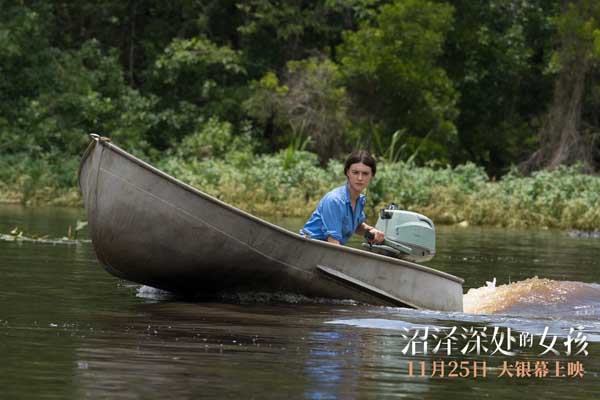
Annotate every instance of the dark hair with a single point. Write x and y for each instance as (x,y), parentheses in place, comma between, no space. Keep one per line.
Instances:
(360,156)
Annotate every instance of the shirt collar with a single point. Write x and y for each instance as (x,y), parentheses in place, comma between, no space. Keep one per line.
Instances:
(361,197)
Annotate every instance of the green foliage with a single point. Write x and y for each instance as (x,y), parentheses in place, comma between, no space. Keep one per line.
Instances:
(201,77)
(361,10)
(197,70)
(147,74)
(561,198)
(564,198)
(495,56)
(215,139)
(391,66)
(196,56)
(256,101)
(298,143)
(272,185)
(291,184)
(48,179)
(62,96)
(273,32)
(579,36)
(310,102)
(394,150)
(278,184)
(82,96)
(579,28)
(596,48)
(411,186)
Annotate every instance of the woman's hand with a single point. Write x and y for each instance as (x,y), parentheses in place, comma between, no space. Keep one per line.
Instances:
(379,236)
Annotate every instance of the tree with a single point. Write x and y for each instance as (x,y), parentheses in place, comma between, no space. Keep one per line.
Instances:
(53,94)
(565,138)
(391,66)
(273,32)
(311,102)
(495,55)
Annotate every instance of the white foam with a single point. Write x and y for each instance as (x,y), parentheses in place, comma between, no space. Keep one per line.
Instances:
(152,293)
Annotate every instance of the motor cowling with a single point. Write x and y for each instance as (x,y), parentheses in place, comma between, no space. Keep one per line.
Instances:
(408,235)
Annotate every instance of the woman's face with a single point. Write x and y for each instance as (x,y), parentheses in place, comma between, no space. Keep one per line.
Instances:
(359,175)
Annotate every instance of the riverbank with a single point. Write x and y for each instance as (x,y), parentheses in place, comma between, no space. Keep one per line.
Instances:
(291,185)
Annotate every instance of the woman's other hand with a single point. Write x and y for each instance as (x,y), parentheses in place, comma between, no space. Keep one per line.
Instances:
(379,236)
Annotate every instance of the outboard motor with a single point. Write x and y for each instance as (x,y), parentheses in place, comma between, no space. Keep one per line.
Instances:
(408,235)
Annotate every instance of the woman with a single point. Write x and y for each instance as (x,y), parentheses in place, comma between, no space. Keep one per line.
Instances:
(340,213)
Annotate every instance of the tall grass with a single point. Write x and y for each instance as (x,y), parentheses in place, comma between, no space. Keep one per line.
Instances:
(564,198)
(49,179)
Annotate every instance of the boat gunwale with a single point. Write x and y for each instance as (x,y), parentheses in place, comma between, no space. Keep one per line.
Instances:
(402,263)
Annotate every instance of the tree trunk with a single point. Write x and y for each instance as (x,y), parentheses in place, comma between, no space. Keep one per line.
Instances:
(562,141)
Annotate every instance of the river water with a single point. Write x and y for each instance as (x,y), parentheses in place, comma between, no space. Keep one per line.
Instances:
(69,330)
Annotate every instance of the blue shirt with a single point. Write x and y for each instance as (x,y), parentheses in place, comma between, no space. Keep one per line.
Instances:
(334,216)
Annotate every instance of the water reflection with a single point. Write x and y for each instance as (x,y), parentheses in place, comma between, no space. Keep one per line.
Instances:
(181,347)
(234,349)
(330,373)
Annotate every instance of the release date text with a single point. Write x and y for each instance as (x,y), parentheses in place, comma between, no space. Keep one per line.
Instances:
(515,369)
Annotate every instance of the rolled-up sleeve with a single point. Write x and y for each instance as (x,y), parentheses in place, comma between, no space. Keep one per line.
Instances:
(361,219)
(331,217)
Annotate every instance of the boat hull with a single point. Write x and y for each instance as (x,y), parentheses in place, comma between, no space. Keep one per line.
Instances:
(150,228)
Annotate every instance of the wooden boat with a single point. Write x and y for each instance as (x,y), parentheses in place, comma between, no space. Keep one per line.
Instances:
(151,228)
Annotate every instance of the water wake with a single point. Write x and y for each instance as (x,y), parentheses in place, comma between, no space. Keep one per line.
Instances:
(152,293)
(279,297)
(535,296)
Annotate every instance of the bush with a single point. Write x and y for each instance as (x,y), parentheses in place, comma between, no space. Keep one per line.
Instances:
(291,182)
(50,179)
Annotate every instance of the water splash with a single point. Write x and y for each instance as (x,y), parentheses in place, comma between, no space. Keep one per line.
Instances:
(152,293)
(535,296)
